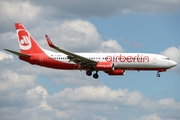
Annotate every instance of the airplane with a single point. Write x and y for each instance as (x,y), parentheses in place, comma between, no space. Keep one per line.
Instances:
(110,63)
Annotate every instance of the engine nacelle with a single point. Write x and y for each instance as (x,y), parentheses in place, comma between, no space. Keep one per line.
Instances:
(116,72)
(105,66)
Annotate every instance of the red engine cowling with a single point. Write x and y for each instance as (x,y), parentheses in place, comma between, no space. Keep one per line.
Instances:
(116,72)
(109,66)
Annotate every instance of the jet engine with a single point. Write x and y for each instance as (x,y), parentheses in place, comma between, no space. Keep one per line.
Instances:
(115,72)
(105,66)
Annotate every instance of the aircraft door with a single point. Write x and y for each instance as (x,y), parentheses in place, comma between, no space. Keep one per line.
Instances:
(154,59)
(41,59)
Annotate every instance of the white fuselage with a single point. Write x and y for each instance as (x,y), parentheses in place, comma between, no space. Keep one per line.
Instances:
(128,61)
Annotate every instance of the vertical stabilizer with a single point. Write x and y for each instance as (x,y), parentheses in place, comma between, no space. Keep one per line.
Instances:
(27,43)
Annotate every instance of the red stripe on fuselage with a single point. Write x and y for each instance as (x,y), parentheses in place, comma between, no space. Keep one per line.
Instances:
(43,60)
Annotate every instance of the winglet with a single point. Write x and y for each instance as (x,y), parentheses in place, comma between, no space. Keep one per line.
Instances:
(49,42)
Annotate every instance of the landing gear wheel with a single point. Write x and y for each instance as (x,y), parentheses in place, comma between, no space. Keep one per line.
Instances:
(88,73)
(95,75)
(158,75)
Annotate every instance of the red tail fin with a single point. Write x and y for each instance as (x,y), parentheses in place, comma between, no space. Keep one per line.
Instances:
(26,41)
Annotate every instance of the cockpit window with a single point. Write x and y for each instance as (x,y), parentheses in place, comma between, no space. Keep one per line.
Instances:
(166,58)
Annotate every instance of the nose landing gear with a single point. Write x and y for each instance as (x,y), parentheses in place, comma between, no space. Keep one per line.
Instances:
(160,70)
(158,75)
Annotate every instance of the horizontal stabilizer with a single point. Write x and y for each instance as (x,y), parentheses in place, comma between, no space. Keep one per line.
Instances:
(17,53)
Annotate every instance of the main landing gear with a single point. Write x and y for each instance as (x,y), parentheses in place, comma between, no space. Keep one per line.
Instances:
(95,75)
(88,73)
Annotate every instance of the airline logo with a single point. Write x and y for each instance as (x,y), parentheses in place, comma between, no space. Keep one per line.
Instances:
(122,58)
(24,39)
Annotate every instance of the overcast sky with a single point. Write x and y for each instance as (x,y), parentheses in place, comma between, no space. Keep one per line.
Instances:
(33,92)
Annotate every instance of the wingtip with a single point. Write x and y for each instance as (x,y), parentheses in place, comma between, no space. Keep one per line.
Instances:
(49,41)
(5,49)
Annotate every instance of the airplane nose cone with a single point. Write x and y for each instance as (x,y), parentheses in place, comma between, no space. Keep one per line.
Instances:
(173,64)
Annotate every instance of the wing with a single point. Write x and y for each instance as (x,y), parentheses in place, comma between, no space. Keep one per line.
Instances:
(84,62)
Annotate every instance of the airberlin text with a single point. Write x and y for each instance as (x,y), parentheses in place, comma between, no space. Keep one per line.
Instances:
(129,58)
